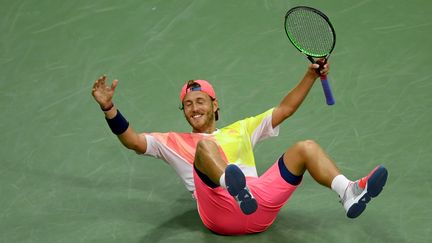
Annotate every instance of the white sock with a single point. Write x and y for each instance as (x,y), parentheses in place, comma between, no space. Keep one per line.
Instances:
(340,184)
(222,181)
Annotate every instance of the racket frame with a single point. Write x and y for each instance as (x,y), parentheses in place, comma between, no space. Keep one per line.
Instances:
(310,56)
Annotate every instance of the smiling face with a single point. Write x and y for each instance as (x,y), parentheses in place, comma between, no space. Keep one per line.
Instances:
(199,110)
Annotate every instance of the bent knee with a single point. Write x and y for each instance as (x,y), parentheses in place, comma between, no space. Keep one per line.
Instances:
(205,144)
(204,147)
(307,143)
(306,146)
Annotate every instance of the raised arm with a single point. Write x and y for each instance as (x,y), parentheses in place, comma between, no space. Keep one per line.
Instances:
(103,95)
(291,102)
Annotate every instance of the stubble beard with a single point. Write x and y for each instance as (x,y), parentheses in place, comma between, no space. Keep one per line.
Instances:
(209,119)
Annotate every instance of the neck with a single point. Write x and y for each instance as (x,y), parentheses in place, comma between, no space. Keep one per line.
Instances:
(207,130)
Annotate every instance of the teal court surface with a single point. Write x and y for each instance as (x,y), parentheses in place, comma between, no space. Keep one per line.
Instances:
(64,177)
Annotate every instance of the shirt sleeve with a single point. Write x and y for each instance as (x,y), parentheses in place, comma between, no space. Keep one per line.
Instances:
(163,146)
(260,127)
(152,146)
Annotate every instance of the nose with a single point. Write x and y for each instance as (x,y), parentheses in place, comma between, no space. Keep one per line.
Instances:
(195,107)
(191,108)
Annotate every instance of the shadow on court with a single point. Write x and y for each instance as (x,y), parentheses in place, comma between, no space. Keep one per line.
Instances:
(173,228)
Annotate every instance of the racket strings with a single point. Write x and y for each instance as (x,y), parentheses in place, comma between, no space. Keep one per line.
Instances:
(310,32)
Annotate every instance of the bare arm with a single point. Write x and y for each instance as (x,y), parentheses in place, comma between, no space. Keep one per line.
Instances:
(291,102)
(103,94)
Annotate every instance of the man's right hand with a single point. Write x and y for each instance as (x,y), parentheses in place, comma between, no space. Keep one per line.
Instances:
(103,93)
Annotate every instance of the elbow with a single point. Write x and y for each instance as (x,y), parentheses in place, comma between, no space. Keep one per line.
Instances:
(138,148)
(280,114)
(133,141)
(130,145)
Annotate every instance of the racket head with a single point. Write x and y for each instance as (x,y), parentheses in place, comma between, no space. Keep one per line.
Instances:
(310,31)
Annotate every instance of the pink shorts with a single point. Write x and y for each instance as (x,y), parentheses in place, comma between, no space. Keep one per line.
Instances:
(221,214)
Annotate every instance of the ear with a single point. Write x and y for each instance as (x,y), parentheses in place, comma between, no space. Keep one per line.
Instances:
(215,105)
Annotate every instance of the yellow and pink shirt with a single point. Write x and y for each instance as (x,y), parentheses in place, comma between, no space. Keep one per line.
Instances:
(236,142)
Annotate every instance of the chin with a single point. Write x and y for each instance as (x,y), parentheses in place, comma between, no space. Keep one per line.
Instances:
(198,128)
(195,127)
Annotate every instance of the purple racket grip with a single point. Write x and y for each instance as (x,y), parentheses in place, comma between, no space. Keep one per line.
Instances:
(327,90)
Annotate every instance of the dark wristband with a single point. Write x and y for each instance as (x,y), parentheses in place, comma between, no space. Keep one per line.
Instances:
(118,124)
(109,107)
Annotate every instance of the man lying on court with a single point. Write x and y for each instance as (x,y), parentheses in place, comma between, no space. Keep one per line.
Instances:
(217,164)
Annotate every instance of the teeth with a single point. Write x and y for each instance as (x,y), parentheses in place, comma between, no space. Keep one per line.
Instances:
(196,116)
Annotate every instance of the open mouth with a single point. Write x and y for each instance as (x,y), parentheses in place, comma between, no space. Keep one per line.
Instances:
(197,116)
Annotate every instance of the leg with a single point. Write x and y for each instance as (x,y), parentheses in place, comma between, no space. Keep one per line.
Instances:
(209,161)
(308,155)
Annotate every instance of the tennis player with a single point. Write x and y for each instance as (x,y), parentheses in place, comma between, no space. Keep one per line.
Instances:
(217,165)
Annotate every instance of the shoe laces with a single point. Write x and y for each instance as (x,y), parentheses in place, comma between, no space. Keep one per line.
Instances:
(353,189)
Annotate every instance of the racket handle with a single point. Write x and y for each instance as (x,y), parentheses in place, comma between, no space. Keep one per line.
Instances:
(327,90)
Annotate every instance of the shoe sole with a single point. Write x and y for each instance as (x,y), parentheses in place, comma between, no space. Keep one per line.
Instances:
(236,186)
(374,186)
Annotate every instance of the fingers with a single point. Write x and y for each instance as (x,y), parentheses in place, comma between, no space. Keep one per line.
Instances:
(100,85)
(98,81)
(102,79)
(318,68)
(95,86)
(314,66)
(114,85)
(325,69)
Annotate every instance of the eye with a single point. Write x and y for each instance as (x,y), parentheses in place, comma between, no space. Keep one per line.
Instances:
(187,104)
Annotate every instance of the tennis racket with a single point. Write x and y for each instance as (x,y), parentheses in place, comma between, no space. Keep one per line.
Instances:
(311,32)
